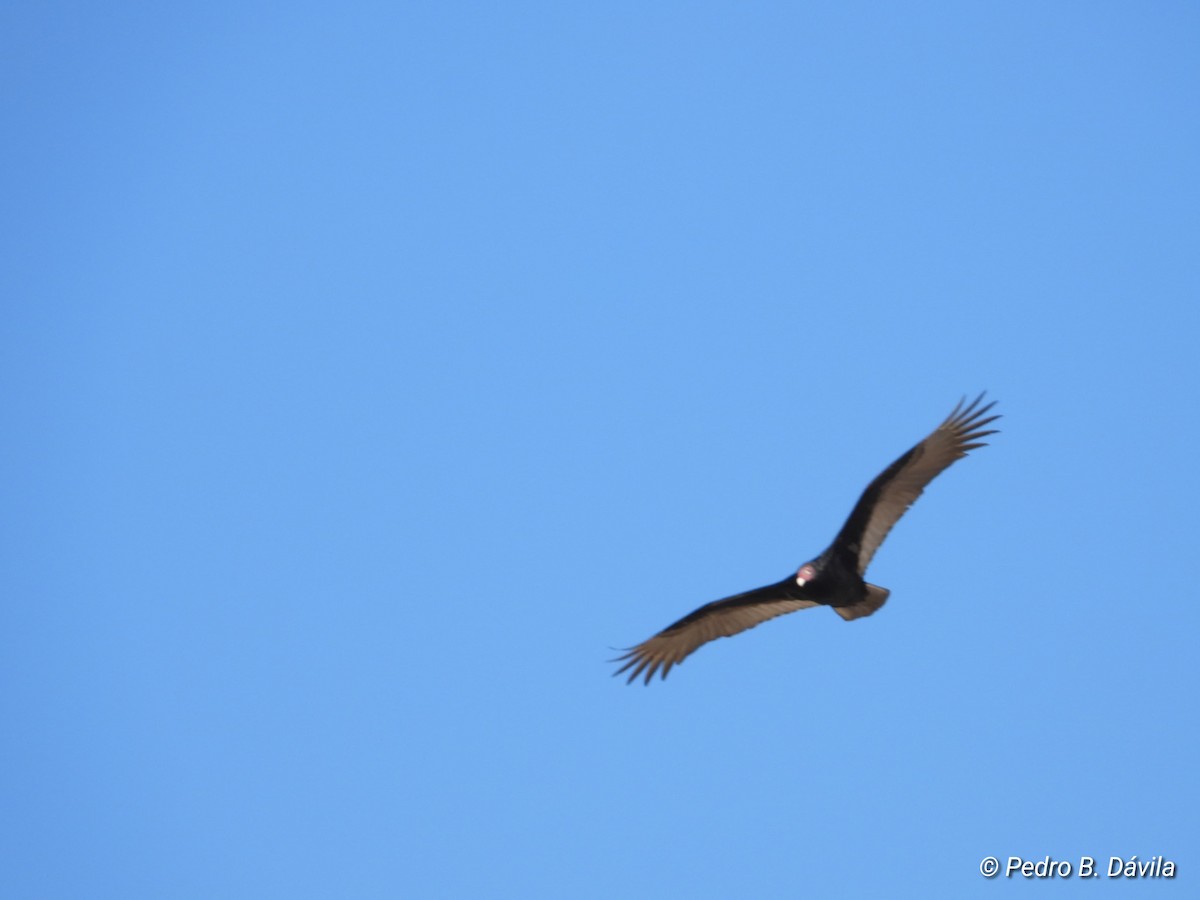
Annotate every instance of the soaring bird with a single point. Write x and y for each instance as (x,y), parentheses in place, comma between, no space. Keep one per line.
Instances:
(835,578)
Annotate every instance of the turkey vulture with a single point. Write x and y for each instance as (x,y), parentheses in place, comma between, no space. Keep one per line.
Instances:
(835,578)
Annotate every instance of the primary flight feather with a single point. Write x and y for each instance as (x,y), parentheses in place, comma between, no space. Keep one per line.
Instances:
(835,578)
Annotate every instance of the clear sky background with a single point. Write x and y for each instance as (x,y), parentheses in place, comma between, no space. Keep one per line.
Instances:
(371,369)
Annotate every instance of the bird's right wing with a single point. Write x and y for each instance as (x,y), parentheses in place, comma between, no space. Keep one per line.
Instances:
(721,618)
(890,495)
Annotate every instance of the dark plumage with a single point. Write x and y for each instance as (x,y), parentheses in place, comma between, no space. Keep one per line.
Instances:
(835,578)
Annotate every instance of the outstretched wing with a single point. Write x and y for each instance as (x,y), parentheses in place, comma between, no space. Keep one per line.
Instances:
(721,618)
(890,495)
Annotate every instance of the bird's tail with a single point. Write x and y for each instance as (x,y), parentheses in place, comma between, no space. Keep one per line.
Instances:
(876,597)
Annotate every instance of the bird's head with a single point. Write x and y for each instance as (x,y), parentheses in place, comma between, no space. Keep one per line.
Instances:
(807,573)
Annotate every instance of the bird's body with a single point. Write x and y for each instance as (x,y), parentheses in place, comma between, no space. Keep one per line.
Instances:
(835,578)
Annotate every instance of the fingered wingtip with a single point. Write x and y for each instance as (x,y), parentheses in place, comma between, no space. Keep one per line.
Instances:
(644,665)
(968,419)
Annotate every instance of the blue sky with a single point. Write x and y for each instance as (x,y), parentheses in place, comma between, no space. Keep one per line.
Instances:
(371,370)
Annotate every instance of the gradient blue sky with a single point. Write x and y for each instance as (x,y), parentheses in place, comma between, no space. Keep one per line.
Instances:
(371,369)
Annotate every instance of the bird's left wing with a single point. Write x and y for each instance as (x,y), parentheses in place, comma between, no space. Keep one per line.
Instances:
(721,618)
